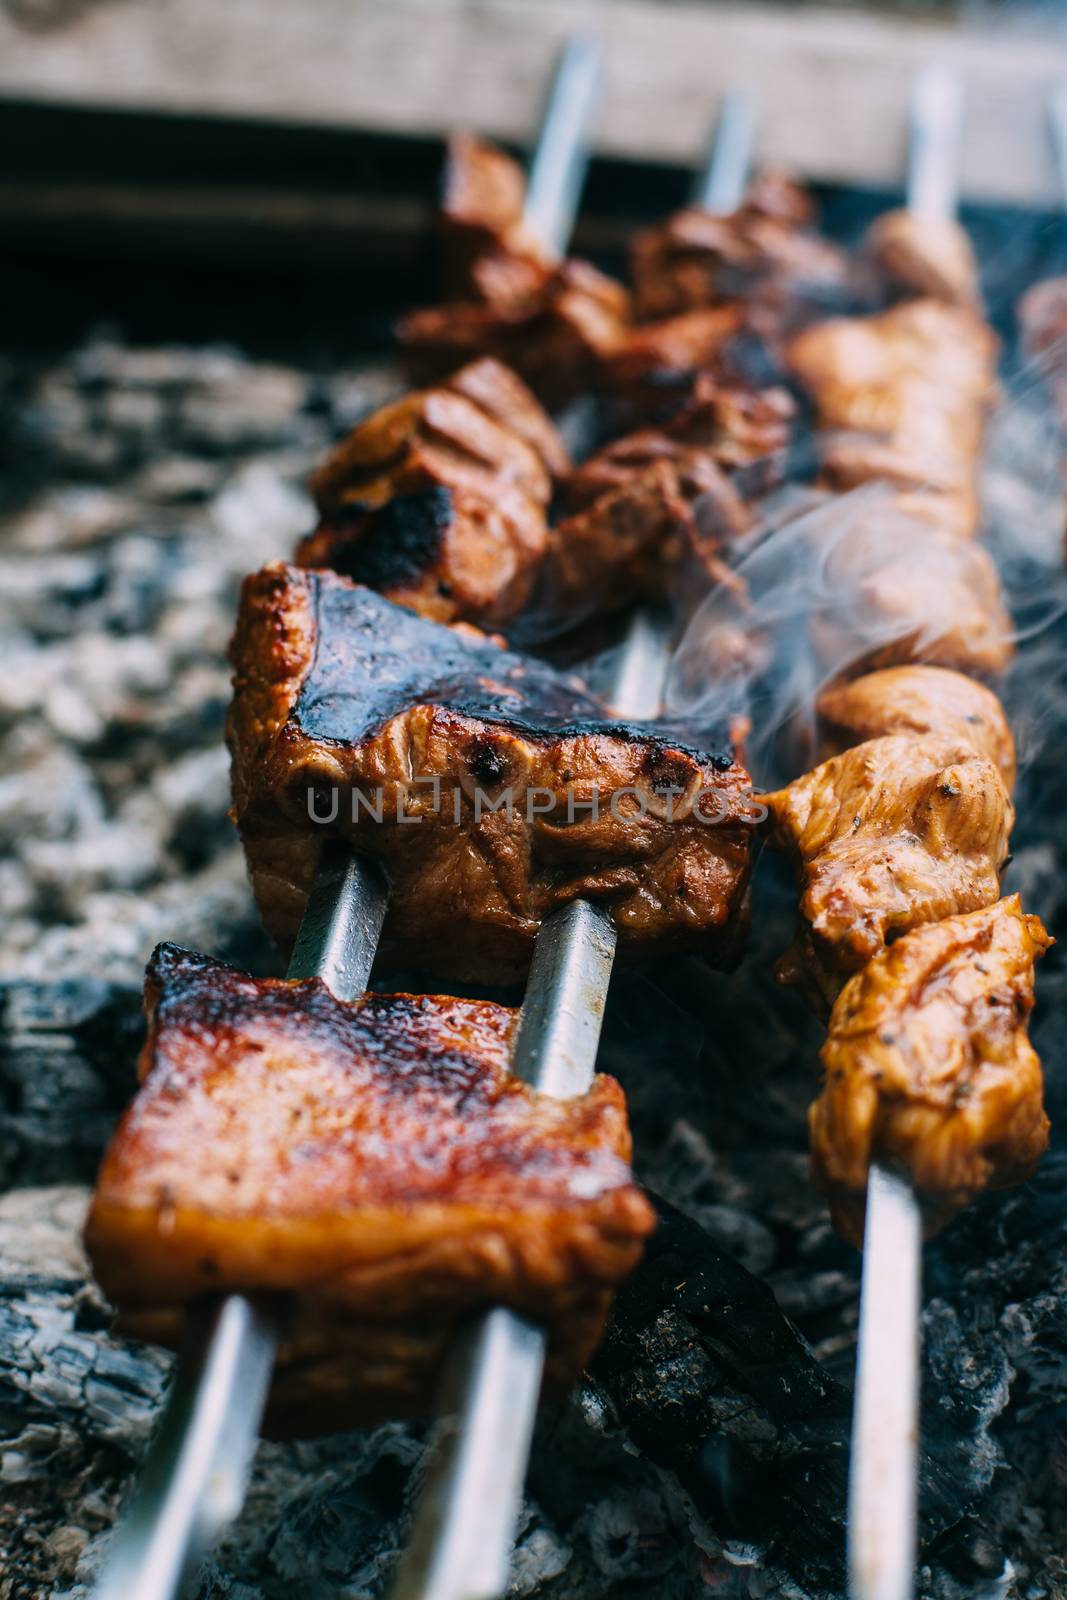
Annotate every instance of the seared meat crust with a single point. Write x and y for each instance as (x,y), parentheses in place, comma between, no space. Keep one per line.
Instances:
(439,500)
(342,697)
(767,249)
(917,700)
(929,1067)
(373,1168)
(903,397)
(930,257)
(663,531)
(733,427)
(894,833)
(487,252)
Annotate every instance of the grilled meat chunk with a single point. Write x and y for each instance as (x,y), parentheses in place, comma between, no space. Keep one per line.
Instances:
(766,249)
(929,1067)
(921,701)
(734,427)
(930,257)
(896,591)
(487,253)
(556,333)
(373,1169)
(403,737)
(893,833)
(902,397)
(439,500)
(663,531)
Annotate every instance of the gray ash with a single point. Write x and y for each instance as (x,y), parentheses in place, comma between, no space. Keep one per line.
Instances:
(707,1451)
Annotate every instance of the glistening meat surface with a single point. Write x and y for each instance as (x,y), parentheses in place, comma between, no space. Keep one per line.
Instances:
(929,1068)
(341,699)
(371,1168)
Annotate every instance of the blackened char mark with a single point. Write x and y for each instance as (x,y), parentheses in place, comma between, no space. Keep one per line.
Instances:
(394,544)
(374,660)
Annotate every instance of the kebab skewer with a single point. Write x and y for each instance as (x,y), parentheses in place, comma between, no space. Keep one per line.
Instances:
(931,1086)
(194,1479)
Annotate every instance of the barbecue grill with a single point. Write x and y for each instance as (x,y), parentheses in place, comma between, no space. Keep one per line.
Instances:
(194,1481)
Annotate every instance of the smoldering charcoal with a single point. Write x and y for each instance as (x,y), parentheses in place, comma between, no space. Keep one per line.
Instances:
(706,1452)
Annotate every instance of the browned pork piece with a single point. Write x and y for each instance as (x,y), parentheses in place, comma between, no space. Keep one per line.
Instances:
(372,1169)
(893,833)
(768,249)
(902,398)
(928,1067)
(487,253)
(439,499)
(490,786)
(921,701)
(1043,320)
(931,257)
(732,426)
(663,531)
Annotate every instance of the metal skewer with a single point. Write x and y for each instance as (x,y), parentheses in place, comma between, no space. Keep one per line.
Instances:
(1057,116)
(195,1476)
(465,1526)
(883,1478)
(720,187)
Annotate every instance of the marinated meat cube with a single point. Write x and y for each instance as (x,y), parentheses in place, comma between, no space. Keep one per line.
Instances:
(931,257)
(893,833)
(917,700)
(491,787)
(372,1169)
(929,1068)
(902,397)
(766,249)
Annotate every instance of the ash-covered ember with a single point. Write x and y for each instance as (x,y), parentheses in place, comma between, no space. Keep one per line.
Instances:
(707,1453)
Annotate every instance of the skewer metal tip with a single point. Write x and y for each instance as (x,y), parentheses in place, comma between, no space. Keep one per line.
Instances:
(1057,116)
(561,156)
(720,186)
(936,124)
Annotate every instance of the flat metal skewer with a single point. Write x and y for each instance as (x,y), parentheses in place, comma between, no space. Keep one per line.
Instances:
(720,187)
(883,1476)
(1057,116)
(464,1527)
(195,1476)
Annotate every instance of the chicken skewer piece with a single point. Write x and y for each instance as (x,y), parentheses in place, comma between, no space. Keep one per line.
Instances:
(464,1528)
(885,1428)
(195,1477)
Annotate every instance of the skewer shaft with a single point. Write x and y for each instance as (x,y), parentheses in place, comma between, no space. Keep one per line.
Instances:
(561,155)
(883,1480)
(464,1531)
(194,1478)
(721,186)
(1057,116)
(465,1524)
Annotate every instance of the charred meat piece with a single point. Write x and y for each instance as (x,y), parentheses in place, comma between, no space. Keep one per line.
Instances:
(373,1169)
(894,833)
(929,1067)
(439,499)
(557,334)
(931,257)
(896,590)
(487,253)
(902,397)
(734,427)
(921,701)
(663,531)
(490,786)
(766,250)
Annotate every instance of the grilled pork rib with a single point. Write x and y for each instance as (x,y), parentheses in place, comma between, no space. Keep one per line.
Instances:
(929,1067)
(373,1169)
(354,718)
(895,832)
(439,500)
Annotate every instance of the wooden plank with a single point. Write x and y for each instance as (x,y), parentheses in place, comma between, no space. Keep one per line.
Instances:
(833,87)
